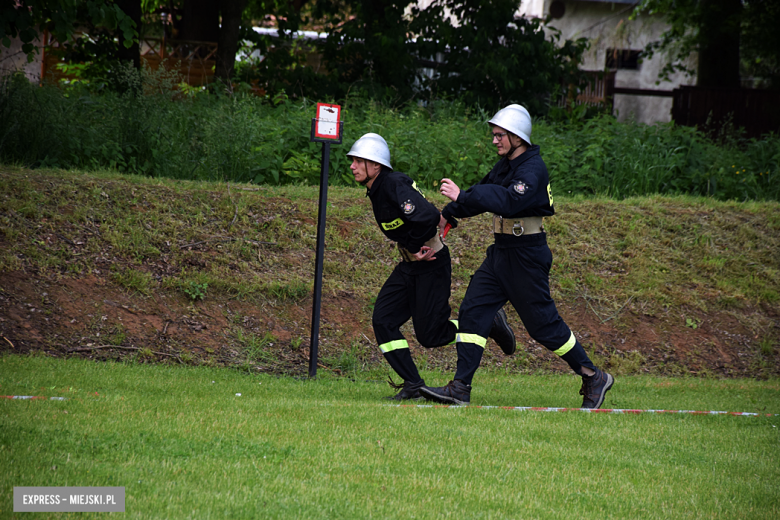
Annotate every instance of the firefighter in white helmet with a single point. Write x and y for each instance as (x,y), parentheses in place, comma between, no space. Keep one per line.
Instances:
(419,286)
(517,267)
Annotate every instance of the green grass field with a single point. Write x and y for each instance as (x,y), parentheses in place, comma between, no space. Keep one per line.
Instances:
(184,444)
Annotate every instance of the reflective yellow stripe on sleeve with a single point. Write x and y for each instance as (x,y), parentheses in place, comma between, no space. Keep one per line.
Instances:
(471,338)
(566,346)
(387,226)
(393,345)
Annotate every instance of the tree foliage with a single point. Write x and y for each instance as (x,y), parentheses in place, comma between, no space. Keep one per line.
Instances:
(734,38)
(491,58)
(64,20)
(760,41)
(377,47)
(372,47)
(486,56)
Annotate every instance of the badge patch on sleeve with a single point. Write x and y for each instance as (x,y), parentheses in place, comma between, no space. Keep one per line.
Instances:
(407,207)
(520,188)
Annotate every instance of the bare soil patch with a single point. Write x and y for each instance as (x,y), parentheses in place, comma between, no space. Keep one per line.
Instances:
(69,242)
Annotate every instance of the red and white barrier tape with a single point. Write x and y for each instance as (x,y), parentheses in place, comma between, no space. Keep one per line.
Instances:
(32,397)
(515,408)
(588,410)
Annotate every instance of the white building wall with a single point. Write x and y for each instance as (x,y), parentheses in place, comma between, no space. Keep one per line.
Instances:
(12,59)
(607,26)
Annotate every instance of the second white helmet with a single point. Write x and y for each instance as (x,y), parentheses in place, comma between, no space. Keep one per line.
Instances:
(515,119)
(371,147)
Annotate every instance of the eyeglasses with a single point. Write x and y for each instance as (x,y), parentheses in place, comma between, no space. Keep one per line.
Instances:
(499,135)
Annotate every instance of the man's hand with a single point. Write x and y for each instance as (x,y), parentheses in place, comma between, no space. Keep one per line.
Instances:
(425,253)
(449,189)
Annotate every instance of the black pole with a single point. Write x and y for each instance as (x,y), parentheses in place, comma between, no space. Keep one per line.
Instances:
(315,313)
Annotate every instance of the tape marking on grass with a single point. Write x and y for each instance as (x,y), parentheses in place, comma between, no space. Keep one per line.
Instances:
(587,410)
(32,397)
(515,408)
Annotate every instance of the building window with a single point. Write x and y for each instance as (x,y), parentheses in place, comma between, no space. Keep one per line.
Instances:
(557,9)
(623,59)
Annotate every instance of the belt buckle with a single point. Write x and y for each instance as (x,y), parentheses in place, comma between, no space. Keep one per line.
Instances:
(500,223)
(518,224)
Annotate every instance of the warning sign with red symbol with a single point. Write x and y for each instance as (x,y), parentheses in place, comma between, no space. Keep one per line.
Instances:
(327,121)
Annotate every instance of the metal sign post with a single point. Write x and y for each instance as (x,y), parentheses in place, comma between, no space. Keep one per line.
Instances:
(326,128)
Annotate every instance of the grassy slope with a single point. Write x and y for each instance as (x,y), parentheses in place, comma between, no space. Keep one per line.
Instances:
(662,284)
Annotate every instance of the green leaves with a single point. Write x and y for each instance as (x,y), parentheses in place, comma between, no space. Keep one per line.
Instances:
(490,58)
(62,18)
(195,291)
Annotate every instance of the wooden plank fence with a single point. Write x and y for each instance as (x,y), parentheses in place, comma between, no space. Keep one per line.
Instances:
(709,109)
(193,60)
(599,91)
(757,111)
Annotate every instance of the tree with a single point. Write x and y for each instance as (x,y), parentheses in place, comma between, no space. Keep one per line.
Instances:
(760,42)
(492,58)
(733,38)
(132,9)
(199,21)
(227,47)
(719,28)
(368,42)
(211,21)
(27,19)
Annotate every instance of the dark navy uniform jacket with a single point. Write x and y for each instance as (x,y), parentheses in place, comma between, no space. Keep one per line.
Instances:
(401,210)
(513,189)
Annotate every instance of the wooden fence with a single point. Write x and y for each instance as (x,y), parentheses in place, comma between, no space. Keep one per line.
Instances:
(194,61)
(709,109)
(757,111)
(599,91)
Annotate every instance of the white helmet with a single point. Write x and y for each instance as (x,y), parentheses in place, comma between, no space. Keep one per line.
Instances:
(515,119)
(371,147)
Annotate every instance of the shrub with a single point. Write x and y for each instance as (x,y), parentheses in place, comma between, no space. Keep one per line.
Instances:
(244,138)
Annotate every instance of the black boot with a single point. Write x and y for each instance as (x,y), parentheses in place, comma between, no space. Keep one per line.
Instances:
(594,389)
(408,390)
(503,334)
(456,392)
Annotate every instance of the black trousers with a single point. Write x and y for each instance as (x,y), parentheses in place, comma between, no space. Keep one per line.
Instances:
(517,270)
(420,291)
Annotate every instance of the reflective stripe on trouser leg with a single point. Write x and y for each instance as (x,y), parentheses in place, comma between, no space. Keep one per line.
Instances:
(469,357)
(470,348)
(471,338)
(484,297)
(529,293)
(394,345)
(423,297)
(566,346)
(577,358)
(454,322)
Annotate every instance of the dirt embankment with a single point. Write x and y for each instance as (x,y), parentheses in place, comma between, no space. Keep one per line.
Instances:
(67,285)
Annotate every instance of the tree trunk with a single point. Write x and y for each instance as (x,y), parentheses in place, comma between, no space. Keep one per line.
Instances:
(719,43)
(227,44)
(200,21)
(131,8)
(384,40)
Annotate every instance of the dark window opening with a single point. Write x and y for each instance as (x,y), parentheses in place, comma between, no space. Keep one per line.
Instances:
(557,9)
(623,59)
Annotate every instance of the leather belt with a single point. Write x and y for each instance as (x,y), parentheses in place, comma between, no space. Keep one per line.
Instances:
(518,226)
(434,243)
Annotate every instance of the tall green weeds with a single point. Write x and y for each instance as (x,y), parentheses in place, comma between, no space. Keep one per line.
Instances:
(243,138)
